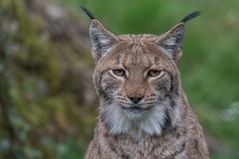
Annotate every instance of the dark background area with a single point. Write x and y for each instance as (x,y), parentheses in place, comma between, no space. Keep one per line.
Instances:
(48,106)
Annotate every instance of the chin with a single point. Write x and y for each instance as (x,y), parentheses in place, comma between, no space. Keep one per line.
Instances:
(135,121)
(136,113)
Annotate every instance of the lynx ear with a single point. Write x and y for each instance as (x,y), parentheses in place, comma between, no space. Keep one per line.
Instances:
(171,41)
(102,40)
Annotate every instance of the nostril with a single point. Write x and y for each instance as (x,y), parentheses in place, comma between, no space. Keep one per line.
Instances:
(135,99)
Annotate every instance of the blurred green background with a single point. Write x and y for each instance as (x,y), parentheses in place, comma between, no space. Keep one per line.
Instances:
(48,106)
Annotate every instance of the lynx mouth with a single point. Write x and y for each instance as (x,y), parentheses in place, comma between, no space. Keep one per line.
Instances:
(136,109)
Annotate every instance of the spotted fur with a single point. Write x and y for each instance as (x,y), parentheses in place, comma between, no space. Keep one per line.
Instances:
(144,113)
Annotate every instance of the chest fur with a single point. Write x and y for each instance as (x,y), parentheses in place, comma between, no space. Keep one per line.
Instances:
(125,147)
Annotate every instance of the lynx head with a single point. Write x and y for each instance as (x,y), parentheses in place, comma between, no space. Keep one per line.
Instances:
(137,78)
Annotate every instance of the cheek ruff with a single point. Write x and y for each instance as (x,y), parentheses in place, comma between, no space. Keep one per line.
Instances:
(137,121)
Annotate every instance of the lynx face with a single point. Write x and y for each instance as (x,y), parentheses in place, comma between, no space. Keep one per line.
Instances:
(137,79)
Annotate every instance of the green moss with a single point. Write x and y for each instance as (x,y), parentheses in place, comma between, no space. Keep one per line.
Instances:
(41,85)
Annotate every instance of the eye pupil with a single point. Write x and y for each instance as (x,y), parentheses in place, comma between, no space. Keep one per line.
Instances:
(119,72)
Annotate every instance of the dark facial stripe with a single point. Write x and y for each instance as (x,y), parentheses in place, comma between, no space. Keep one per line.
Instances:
(103,116)
(174,85)
(167,121)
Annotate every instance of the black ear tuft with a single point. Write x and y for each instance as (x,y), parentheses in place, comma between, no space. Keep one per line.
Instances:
(191,16)
(87,12)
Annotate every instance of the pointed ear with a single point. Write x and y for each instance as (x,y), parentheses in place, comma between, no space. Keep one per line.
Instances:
(102,40)
(172,41)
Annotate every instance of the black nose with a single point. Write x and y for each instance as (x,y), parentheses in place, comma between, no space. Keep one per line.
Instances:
(135,98)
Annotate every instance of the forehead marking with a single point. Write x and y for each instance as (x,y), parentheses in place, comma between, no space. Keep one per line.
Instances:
(138,50)
(137,57)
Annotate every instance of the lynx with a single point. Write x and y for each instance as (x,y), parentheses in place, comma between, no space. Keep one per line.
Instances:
(144,112)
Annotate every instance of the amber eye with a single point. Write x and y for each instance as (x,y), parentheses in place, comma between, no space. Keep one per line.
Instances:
(154,73)
(119,72)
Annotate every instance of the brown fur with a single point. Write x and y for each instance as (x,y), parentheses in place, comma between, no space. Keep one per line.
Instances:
(162,124)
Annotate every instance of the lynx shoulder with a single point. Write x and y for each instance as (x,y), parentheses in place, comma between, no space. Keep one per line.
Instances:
(144,112)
